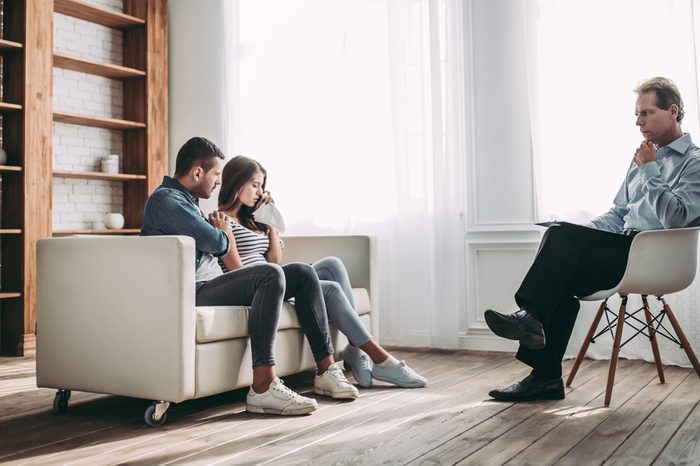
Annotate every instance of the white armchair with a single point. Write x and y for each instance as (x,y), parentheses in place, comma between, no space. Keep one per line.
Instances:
(117,315)
(660,262)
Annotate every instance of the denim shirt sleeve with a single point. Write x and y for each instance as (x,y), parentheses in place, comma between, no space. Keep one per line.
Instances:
(170,213)
(613,220)
(676,206)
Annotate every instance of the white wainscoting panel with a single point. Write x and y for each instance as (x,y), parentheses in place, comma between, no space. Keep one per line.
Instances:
(496,269)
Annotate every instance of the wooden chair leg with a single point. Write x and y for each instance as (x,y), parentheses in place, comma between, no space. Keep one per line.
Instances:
(615,350)
(586,343)
(681,336)
(652,339)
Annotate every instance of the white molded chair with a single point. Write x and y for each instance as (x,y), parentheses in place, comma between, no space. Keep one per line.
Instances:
(660,262)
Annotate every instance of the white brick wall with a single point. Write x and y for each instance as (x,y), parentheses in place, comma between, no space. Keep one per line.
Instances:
(81,203)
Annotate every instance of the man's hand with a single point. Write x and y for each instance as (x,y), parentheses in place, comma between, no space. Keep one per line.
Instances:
(219,220)
(645,153)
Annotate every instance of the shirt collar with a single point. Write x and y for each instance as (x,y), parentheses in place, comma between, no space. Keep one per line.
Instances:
(170,182)
(679,145)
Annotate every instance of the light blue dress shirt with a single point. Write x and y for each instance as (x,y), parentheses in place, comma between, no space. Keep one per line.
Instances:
(657,195)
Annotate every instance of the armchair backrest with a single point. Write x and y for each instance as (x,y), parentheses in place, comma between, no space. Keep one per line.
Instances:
(353,250)
(661,262)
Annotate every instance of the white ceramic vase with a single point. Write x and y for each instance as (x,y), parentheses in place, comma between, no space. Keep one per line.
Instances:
(114,221)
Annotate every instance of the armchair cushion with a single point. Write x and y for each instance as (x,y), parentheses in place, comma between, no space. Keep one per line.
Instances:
(216,323)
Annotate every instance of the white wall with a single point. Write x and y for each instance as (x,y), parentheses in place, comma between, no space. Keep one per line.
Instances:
(501,240)
(198,106)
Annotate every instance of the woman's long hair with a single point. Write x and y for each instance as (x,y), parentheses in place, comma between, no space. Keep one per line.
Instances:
(237,172)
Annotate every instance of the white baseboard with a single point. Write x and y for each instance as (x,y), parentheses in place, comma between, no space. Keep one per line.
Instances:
(485,340)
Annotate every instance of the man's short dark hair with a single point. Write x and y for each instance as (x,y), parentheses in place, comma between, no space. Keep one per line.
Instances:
(197,150)
(666,92)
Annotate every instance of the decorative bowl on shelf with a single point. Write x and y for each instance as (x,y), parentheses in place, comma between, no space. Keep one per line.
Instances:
(3,156)
(114,221)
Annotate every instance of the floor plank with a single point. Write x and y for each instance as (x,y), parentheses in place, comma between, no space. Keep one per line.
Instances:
(652,436)
(602,442)
(503,436)
(263,431)
(450,421)
(684,447)
(418,429)
(579,420)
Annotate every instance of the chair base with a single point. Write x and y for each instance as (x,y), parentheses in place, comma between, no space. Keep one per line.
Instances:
(652,327)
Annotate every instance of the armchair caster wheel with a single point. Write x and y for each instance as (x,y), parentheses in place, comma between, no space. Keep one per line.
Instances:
(156,415)
(60,401)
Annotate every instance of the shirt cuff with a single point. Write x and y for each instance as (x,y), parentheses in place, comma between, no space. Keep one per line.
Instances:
(649,170)
(226,249)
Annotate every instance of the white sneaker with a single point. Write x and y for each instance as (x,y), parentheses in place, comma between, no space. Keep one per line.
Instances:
(334,384)
(279,399)
(400,375)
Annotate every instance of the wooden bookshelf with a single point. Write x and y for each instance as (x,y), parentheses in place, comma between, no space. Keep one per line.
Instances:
(121,231)
(92,67)
(97,122)
(97,14)
(98,175)
(26,184)
(28,118)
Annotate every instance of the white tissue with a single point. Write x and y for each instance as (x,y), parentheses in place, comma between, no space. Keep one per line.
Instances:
(269,215)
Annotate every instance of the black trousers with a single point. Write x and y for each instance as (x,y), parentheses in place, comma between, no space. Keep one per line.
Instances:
(572,261)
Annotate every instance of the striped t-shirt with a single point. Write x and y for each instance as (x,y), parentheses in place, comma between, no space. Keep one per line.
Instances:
(251,246)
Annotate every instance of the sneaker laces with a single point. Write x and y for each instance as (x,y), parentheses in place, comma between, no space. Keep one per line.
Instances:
(358,356)
(283,389)
(409,372)
(337,373)
(364,362)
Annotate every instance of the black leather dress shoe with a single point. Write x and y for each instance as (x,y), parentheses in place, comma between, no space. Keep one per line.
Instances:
(530,389)
(520,325)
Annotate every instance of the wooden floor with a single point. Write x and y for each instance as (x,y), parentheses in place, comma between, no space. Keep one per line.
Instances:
(452,421)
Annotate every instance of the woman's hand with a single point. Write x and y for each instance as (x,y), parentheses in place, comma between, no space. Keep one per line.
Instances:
(266,198)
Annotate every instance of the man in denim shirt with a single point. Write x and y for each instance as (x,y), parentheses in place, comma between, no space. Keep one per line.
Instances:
(173,209)
(661,190)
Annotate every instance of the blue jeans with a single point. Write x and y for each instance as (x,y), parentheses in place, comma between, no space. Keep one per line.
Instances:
(340,304)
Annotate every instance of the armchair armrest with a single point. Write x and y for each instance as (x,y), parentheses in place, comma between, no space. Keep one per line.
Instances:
(116,315)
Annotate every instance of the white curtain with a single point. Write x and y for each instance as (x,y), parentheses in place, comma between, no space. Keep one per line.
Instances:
(355,109)
(587,57)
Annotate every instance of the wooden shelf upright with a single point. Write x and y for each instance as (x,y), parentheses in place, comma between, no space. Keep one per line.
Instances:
(27,113)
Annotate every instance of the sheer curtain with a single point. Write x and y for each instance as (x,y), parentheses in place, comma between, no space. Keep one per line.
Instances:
(355,108)
(585,66)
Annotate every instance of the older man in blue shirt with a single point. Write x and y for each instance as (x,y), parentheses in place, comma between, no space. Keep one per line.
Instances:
(661,190)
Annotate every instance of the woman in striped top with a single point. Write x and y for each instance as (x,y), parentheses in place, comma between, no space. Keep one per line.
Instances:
(242,191)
